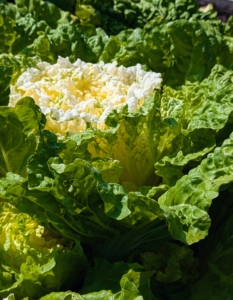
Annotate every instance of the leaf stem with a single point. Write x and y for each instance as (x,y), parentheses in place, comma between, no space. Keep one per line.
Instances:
(5,157)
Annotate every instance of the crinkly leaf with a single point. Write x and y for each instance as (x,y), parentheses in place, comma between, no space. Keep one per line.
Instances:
(73,184)
(19,127)
(11,66)
(115,200)
(182,50)
(193,43)
(132,208)
(114,16)
(172,263)
(40,205)
(7,27)
(64,196)
(110,169)
(9,180)
(186,204)
(200,110)
(40,176)
(211,100)
(153,192)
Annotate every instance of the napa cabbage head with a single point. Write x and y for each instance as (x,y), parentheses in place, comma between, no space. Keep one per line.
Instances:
(85,99)
(34,259)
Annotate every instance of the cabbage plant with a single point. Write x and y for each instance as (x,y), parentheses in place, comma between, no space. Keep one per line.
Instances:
(116,149)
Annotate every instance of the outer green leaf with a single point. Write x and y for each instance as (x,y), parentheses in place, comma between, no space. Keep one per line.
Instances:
(211,100)
(39,173)
(199,110)
(192,49)
(132,282)
(7,23)
(172,263)
(153,192)
(115,200)
(187,203)
(8,181)
(143,209)
(11,66)
(18,129)
(110,169)
(69,201)
(132,208)
(41,205)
